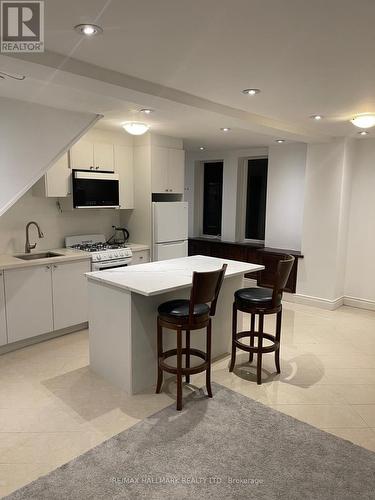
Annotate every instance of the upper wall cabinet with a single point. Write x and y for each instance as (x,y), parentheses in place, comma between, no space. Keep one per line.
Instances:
(57,181)
(124,168)
(87,155)
(167,170)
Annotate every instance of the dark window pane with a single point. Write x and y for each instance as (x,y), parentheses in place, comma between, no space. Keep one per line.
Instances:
(212,198)
(256,199)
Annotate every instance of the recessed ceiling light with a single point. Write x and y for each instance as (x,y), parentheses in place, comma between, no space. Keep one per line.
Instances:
(316,117)
(136,128)
(363,132)
(364,121)
(88,29)
(251,91)
(280,141)
(202,148)
(147,111)
(225,129)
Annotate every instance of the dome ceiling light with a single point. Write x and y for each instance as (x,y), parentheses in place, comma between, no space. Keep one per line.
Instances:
(136,128)
(364,121)
(251,91)
(88,29)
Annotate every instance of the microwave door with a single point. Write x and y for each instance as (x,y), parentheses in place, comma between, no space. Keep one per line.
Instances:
(95,190)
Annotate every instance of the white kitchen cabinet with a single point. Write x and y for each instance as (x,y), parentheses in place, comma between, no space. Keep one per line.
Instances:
(87,155)
(140,257)
(69,289)
(56,183)
(82,155)
(28,295)
(176,170)
(104,156)
(124,167)
(3,324)
(167,170)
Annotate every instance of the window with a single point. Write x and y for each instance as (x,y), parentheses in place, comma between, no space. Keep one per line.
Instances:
(212,198)
(256,198)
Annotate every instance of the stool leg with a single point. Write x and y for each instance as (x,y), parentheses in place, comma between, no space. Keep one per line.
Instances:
(208,353)
(179,370)
(260,347)
(252,329)
(188,354)
(278,335)
(234,331)
(160,352)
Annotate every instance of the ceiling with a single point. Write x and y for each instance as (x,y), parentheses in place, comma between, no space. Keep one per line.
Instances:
(306,57)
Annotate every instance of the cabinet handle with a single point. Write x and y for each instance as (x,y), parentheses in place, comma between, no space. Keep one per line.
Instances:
(48,267)
(140,258)
(166,189)
(97,168)
(55,266)
(91,168)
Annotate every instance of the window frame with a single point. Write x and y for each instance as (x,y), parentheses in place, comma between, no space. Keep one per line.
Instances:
(242,198)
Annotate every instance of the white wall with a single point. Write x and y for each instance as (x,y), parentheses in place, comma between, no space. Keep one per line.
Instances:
(32,138)
(55,225)
(326,211)
(285,195)
(360,266)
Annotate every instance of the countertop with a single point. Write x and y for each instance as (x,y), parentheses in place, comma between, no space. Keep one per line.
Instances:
(66,254)
(257,246)
(155,278)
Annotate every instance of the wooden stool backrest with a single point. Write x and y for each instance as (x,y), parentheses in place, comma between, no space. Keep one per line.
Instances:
(284,268)
(205,290)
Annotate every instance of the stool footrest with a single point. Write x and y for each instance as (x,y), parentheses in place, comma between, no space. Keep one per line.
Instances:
(248,334)
(185,371)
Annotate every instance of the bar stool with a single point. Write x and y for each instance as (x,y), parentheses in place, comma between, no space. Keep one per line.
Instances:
(186,315)
(261,301)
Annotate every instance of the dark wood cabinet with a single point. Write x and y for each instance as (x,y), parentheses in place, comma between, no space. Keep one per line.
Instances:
(248,252)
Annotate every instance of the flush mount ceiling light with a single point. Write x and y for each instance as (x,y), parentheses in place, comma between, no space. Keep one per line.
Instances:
(225,129)
(316,117)
(363,132)
(251,91)
(88,29)
(364,121)
(135,128)
(146,111)
(280,141)
(202,148)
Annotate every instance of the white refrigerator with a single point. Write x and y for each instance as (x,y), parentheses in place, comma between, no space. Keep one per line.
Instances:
(170,230)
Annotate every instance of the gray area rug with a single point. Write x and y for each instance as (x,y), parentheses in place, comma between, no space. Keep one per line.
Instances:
(228,447)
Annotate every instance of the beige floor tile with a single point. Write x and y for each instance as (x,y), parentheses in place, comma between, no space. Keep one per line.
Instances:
(355,394)
(323,416)
(367,412)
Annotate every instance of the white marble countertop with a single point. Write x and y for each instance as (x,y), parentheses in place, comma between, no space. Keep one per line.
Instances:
(65,255)
(164,276)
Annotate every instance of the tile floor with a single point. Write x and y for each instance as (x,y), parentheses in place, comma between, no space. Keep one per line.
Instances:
(52,408)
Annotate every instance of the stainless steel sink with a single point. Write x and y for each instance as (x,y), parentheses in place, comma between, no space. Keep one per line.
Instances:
(40,255)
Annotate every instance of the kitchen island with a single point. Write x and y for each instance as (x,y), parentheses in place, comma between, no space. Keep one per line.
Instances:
(123,306)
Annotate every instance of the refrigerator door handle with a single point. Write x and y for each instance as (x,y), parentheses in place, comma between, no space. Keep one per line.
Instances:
(170,242)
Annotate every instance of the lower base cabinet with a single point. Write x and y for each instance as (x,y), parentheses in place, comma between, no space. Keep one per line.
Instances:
(3,324)
(28,293)
(69,291)
(41,299)
(140,257)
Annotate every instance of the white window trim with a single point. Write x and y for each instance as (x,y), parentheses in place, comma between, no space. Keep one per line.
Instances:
(198,197)
(241,198)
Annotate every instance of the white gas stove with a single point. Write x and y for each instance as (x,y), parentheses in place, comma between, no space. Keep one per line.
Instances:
(103,254)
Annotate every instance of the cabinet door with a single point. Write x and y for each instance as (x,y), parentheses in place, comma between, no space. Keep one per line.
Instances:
(58,178)
(124,167)
(82,155)
(3,325)
(176,170)
(103,156)
(69,285)
(28,293)
(159,169)
(140,257)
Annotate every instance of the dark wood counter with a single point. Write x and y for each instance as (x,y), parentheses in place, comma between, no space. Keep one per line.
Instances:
(248,252)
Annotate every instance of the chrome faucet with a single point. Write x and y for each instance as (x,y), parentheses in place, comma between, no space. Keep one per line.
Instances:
(29,247)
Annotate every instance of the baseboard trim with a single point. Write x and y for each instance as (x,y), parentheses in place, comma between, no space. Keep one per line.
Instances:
(359,303)
(309,300)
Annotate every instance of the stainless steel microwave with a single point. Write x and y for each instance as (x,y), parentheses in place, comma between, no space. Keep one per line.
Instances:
(95,189)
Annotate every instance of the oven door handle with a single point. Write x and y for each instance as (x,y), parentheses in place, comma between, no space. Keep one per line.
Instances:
(113,263)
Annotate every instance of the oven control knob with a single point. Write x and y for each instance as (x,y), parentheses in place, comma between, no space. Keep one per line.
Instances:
(99,257)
